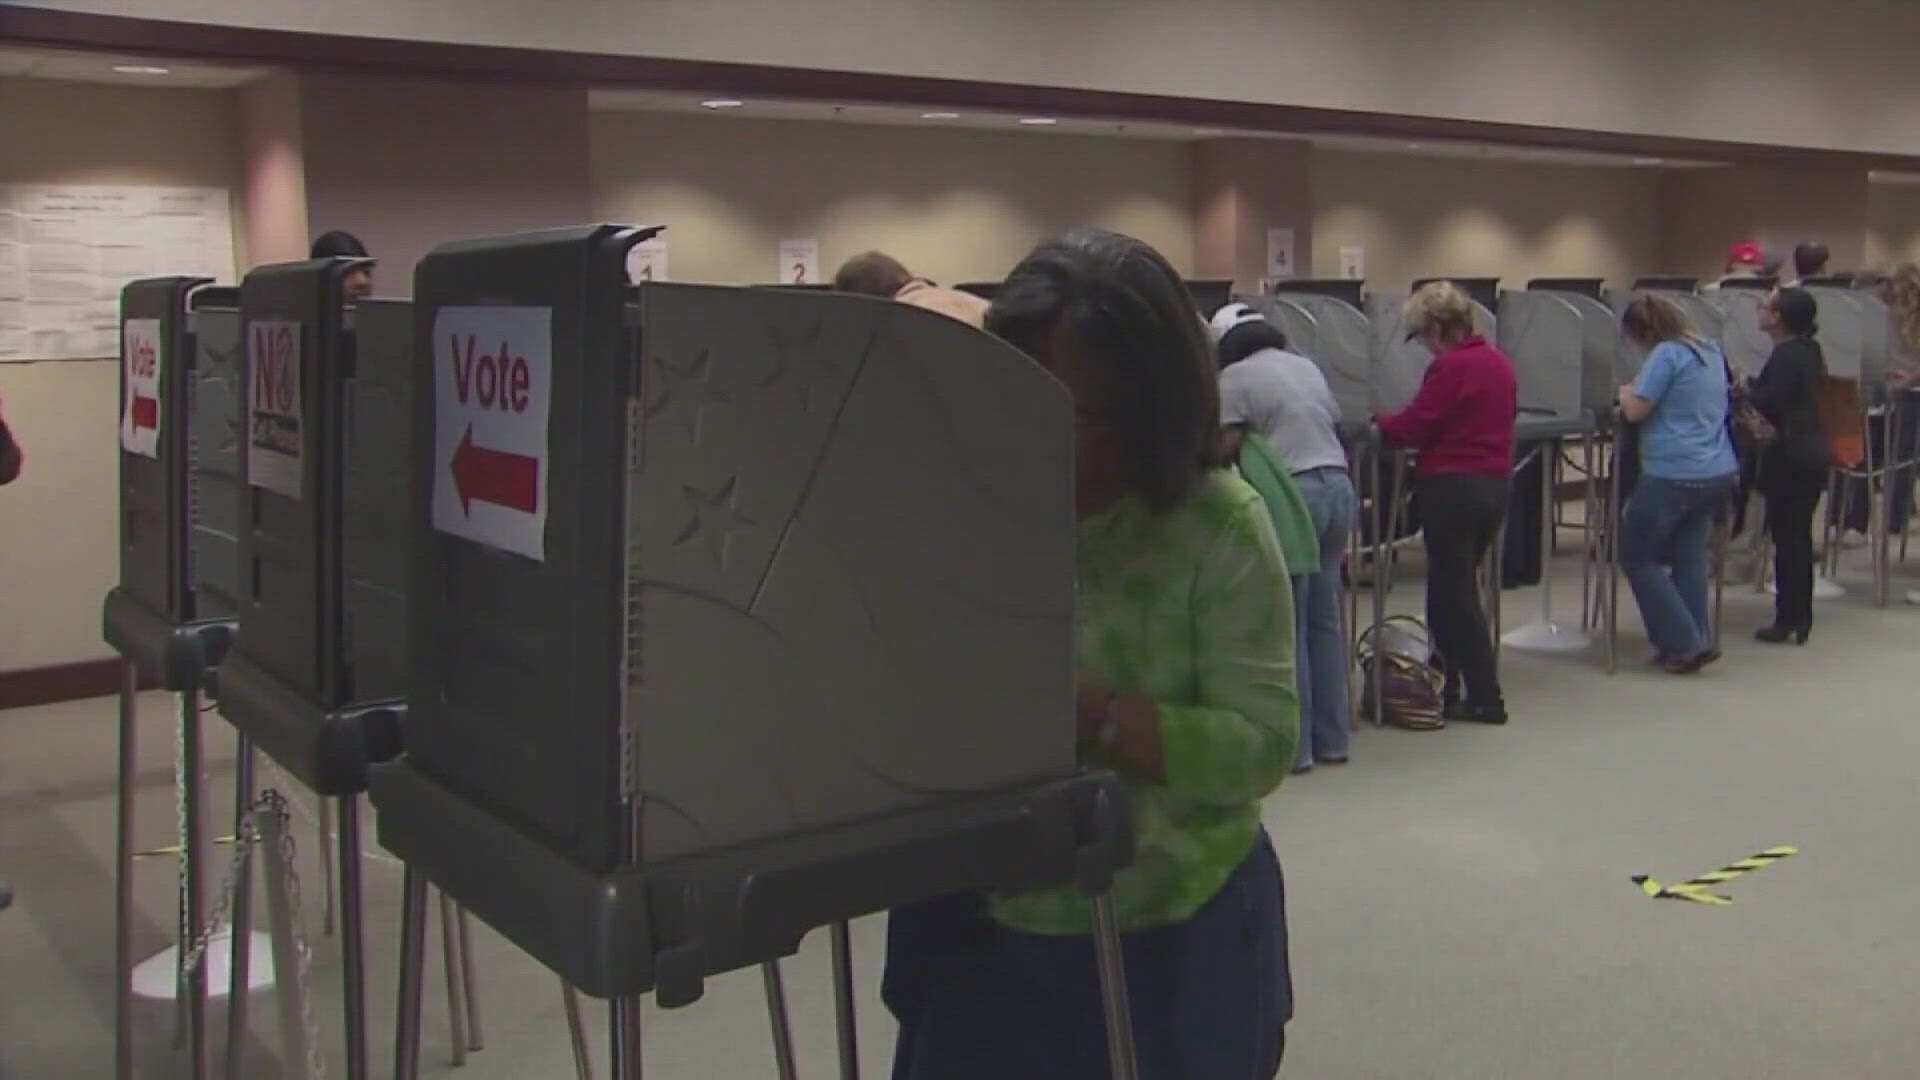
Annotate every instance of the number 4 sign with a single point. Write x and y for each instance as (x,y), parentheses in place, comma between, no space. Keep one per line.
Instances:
(492,385)
(140,409)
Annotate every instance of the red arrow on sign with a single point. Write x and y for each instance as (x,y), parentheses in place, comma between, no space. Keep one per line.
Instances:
(146,413)
(494,476)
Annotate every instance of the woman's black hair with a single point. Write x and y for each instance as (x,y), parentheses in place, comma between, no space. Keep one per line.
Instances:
(1799,311)
(1126,307)
(1248,338)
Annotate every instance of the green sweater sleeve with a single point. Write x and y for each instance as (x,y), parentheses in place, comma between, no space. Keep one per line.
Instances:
(1234,744)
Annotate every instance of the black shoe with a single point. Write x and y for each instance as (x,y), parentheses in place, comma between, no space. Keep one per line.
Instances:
(1495,713)
(1778,634)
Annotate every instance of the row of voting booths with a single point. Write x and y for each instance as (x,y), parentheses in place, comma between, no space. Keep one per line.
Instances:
(650,618)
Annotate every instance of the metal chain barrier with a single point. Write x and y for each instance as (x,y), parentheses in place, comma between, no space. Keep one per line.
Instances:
(272,801)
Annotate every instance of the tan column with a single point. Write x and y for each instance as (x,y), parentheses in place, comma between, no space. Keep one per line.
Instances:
(1242,188)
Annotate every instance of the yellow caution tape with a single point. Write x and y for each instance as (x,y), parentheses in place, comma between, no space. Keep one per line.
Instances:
(1698,889)
(174,849)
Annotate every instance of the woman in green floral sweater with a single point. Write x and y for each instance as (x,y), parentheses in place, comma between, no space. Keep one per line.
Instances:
(1186,691)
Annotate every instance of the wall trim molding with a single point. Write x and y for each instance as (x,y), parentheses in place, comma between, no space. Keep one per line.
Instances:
(301,49)
(65,682)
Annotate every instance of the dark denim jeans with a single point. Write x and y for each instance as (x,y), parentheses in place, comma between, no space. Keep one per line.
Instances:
(977,1001)
(1663,552)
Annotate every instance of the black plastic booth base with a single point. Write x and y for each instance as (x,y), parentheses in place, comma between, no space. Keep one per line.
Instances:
(664,928)
(182,655)
(328,750)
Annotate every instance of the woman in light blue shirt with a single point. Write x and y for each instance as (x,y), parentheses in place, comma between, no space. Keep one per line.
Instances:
(1687,477)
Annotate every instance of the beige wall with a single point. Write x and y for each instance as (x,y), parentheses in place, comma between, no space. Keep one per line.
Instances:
(1242,188)
(407,165)
(1837,75)
(953,205)
(1424,216)
(57,522)
(1705,211)
(1893,225)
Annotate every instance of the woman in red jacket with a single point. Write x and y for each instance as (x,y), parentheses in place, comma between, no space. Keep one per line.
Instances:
(1461,422)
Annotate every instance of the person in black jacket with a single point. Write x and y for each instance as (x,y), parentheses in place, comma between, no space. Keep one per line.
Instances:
(1793,467)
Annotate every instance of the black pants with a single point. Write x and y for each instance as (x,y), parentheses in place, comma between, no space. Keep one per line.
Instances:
(1792,494)
(1460,516)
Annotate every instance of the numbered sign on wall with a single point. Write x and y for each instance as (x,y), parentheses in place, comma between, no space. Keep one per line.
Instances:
(799,262)
(492,373)
(275,415)
(141,355)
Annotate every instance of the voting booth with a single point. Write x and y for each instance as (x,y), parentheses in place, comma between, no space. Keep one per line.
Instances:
(734,613)
(170,617)
(1324,322)
(303,682)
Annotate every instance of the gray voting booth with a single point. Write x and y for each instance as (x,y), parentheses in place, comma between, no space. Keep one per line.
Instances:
(734,613)
(1324,321)
(170,616)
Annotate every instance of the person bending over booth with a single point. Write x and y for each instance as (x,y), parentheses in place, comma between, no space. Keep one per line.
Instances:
(1185,691)
(1282,399)
(1461,422)
(1687,477)
(876,274)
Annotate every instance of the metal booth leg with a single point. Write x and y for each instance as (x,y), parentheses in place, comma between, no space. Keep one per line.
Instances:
(352,946)
(576,1031)
(1113,989)
(240,943)
(783,1060)
(413,962)
(467,980)
(123,879)
(841,941)
(1615,513)
(625,1059)
(326,866)
(450,959)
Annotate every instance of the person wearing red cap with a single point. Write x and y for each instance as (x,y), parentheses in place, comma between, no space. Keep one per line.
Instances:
(1745,259)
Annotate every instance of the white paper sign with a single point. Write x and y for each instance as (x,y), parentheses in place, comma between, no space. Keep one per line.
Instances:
(492,391)
(799,262)
(140,356)
(1353,263)
(647,261)
(276,435)
(1279,253)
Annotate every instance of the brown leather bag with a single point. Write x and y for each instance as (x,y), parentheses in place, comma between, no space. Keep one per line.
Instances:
(1398,654)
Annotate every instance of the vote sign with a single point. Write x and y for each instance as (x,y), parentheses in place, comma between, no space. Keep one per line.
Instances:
(276,422)
(492,391)
(140,356)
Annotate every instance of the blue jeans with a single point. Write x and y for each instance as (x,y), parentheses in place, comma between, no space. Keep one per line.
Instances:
(1663,551)
(1319,637)
(1210,994)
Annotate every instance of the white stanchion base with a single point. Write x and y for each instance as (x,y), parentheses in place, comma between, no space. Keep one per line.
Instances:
(156,978)
(1913,597)
(1547,636)
(1824,588)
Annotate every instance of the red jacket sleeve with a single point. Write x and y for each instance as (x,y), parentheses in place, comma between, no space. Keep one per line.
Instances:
(1414,425)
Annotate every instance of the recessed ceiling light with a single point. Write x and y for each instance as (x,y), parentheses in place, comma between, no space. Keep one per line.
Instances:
(721,103)
(939,116)
(1413,146)
(1038,121)
(1208,133)
(142,69)
(1649,161)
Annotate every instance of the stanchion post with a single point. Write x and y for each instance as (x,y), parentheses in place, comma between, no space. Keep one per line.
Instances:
(576,1032)
(1113,990)
(352,945)
(783,1061)
(290,988)
(450,960)
(468,990)
(193,853)
(413,957)
(240,941)
(1612,545)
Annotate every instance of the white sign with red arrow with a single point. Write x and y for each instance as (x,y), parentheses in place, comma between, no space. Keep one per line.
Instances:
(140,411)
(492,387)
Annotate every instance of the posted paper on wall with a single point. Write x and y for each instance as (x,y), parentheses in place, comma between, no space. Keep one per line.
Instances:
(66,251)
(647,261)
(492,392)
(1279,253)
(799,262)
(276,435)
(1353,263)
(142,359)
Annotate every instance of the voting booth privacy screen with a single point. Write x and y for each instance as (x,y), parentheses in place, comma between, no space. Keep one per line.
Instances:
(756,561)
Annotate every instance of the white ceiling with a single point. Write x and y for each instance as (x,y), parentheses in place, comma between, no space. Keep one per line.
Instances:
(98,68)
(916,116)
